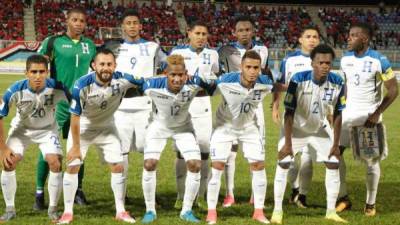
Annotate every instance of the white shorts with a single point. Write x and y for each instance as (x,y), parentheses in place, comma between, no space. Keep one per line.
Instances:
(249,138)
(157,136)
(318,144)
(20,138)
(131,127)
(105,139)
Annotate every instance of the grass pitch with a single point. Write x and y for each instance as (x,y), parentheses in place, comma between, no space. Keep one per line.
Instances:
(101,208)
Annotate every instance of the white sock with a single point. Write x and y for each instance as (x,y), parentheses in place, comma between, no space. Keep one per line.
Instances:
(70,185)
(191,189)
(259,187)
(54,185)
(149,189)
(279,186)
(213,188)
(332,183)
(373,175)
(203,178)
(180,170)
(118,185)
(230,173)
(293,174)
(306,172)
(342,171)
(125,163)
(9,187)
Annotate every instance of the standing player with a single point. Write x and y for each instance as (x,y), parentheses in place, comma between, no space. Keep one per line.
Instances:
(35,99)
(309,98)
(366,72)
(134,56)
(172,96)
(295,62)
(242,93)
(95,98)
(230,57)
(70,55)
(203,62)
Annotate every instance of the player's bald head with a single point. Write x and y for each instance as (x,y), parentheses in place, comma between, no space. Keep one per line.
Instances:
(175,60)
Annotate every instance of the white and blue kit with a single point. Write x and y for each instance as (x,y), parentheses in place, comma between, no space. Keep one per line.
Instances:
(293,63)
(96,104)
(171,117)
(364,76)
(35,118)
(311,101)
(133,115)
(230,58)
(205,65)
(236,117)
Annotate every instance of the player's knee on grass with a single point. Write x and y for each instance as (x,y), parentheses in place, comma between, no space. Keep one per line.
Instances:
(256,166)
(218,165)
(235,148)
(193,165)
(204,156)
(117,167)
(284,165)
(54,162)
(332,166)
(150,164)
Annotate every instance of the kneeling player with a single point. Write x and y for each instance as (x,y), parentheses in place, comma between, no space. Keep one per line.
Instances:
(172,96)
(242,92)
(35,98)
(95,98)
(309,98)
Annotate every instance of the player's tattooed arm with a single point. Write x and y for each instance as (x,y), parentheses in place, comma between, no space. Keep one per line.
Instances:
(391,95)
(74,152)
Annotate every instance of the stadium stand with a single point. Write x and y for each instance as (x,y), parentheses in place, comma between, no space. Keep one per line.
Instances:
(159,20)
(386,25)
(11,20)
(277,27)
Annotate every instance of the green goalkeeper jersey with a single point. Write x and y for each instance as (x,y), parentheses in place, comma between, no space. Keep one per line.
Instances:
(70,60)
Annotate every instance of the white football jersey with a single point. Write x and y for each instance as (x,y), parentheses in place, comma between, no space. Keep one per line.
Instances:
(141,58)
(293,63)
(364,76)
(230,56)
(239,104)
(312,101)
(95,103)
(205,65)
(34,110)
(169,109)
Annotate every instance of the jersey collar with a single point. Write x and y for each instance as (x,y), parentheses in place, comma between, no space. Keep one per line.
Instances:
(141,40)
(194,50)
(363,55)
(240,46)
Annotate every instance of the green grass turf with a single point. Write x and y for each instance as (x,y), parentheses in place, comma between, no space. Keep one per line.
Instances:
(101,208)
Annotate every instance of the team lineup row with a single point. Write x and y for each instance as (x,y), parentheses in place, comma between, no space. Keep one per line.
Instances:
(313,93)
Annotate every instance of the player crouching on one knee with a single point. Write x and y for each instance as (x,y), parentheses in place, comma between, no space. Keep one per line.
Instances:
(35,99)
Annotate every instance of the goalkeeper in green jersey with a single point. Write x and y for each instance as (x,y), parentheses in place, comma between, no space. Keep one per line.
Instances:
(70,55)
